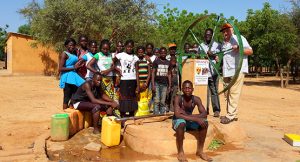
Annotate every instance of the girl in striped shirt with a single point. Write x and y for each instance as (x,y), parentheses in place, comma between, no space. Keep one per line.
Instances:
(142,73)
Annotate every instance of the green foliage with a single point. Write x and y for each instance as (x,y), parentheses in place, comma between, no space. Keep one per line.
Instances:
(24,29)
(295,13)
(30,11)
(3,35)
(272,35)
(172,24)
(295,16)
(98,19)
(215,144)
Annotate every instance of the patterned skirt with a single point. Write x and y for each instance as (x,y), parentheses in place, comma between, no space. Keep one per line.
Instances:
(107,85)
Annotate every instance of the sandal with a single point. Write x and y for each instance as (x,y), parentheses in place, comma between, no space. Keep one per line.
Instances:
(225,120)
(235,119)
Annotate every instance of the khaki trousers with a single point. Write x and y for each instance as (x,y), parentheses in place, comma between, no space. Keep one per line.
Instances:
(233,95)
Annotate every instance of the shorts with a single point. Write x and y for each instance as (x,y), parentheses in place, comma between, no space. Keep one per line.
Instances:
(189,125)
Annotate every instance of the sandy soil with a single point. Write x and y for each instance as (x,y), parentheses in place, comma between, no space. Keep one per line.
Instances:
(265,111)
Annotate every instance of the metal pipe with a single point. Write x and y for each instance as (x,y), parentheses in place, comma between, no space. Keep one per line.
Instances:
(142,117)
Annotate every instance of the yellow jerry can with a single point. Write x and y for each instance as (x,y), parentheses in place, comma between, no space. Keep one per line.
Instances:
(143,109)
(110,131)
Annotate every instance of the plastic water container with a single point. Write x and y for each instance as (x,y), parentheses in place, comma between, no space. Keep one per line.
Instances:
(87,119)
(144,96)
(59,127)
(110,131)
(143,108)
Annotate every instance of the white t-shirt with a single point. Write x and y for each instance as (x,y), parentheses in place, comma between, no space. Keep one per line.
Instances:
(168,57)
(127,65)
(152,58)
(215,47)
(231,58)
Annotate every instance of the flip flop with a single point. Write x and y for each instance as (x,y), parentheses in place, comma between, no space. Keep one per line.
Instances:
(225,120)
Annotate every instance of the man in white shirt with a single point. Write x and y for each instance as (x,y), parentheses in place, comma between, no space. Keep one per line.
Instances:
(230,64)
(213,79)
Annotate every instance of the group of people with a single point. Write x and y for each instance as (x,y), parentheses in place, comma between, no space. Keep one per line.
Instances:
(124,74)
(97,81)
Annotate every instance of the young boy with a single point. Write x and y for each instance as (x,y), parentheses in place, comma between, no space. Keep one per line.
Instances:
(161,81)
(183,120)
(172,51)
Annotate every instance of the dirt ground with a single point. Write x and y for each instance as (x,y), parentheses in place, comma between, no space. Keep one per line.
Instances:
(266,112)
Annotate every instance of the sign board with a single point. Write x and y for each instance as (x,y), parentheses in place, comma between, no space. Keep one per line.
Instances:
(201,71)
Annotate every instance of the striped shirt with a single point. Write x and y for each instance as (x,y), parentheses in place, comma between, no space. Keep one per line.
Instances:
(143,69)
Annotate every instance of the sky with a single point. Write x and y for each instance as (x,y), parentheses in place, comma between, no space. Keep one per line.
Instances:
(236,8)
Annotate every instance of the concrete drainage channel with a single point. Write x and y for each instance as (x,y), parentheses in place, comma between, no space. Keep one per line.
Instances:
(36,153)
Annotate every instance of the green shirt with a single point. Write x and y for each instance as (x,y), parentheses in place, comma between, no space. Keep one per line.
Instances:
(104,62)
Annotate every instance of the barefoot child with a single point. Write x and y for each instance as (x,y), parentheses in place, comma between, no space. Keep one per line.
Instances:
(183,120)
(90,97)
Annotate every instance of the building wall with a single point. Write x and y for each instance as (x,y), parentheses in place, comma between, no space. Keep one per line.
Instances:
(9,55)
(23,58)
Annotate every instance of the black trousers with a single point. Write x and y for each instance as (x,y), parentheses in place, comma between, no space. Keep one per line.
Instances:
(212,92)
(69,90)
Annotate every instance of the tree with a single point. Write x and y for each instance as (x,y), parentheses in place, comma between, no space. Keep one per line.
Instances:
(295,16)
(30,11)
(98,19)
(172,24)
(3,35)
(272,36)
(24,29)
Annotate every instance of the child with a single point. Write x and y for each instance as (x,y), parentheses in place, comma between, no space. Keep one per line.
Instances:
(150,55)
(117,78)
(90,97)
(104,62)
(187,48)
(142,72)
(143,69)
(128,102)
(88,57)
(149,52)
(68,64)
(174,81)
(172,51)
(161,81)
(83,49)
(156,52)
